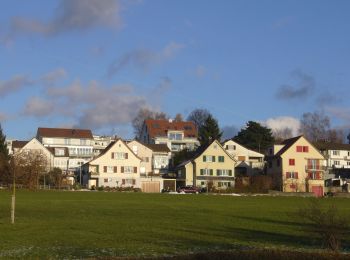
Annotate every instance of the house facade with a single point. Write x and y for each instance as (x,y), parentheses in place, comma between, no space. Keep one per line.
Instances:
(249,162)
(79,143)
(212,166)
(296,165)
(177,135)
(116,166)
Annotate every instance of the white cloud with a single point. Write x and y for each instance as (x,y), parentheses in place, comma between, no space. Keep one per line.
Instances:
(52,77)
(38,107)
(281,123)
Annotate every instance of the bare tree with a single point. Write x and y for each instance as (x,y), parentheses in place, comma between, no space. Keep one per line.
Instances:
(144,114)
(315,126)
(335,136)
(28,167)
(198,117)
(282,134)
(178,118)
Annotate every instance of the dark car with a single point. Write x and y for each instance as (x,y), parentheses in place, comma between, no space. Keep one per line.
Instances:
(188,189)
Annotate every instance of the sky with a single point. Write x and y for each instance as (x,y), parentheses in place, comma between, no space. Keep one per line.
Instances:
(94,63)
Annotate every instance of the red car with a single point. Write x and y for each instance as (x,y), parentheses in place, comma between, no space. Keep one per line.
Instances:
(188,189)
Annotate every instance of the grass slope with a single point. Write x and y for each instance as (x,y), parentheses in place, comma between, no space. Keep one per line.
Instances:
(88,224)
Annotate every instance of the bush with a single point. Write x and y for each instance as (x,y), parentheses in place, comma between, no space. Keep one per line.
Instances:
(100,188)
(328,223)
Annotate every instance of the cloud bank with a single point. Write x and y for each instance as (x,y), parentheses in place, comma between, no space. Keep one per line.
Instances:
(283,125)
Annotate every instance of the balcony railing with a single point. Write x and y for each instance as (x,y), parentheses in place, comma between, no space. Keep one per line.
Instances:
(315,168)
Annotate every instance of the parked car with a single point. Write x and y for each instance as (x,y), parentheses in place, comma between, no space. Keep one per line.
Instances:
(189,189)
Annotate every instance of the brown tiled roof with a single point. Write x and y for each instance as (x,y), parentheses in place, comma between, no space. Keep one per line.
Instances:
(161,127)
(19,144)
(287,144)
(331,146)
(158,147)
(65,133)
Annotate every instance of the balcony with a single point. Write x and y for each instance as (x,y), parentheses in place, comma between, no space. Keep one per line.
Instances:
(314,168)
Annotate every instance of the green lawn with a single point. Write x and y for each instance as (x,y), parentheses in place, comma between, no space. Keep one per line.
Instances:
(87,224)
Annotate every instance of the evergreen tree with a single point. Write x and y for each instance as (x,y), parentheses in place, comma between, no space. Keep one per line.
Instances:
(4,159)
(210,131)
(255,136)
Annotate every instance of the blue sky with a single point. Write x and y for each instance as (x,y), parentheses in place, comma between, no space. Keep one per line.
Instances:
(94,63)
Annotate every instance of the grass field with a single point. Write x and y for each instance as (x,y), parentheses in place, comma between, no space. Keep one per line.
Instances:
(88,224)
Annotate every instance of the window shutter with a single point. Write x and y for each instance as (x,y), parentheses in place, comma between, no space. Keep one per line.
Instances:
(126,155)
(98,169)
(135,169)
(211,172)
(305,149)
(122,169)
(299,149)
(104,168)
(288,175)
(296,175)
(229,172)
(123,181)
(213,158)
(115,168)
(318,175)
(112,154)
(204,158)
(201,172)
(217,172)
(133,182)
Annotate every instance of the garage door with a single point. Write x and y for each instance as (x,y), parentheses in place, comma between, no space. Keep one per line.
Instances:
(150,186)
(317,190)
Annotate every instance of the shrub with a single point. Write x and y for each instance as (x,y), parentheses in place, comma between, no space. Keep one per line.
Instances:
(101,188)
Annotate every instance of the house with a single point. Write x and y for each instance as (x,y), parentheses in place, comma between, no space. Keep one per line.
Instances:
(296,165)
(212,166)
(100,142)
(337,159)
(79,143)
(154,164)
(177,135)
(116,166)
(249,162)
(16,146)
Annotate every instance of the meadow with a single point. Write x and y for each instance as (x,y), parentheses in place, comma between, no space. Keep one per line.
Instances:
(82,224)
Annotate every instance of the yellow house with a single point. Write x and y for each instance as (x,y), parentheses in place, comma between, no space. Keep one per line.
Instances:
(296,166)
(212,166)
(116,166)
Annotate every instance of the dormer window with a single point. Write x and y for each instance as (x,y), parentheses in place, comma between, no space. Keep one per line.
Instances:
(175,136)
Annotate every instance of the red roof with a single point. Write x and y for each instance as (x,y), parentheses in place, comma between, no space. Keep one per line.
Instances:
(65,133)
(161,127)
(19,144)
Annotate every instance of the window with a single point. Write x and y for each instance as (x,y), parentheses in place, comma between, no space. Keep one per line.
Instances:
(223,184)
(59,151)
(291,162)
(348,163)
(292,175)
(299,149)
(221,159)
(302,149)
(175,136)
(223,172)
(230,147)
(208,158)
(82,141)
(66,141)
(206,172)
(336,162)
(119,156)
(305,149)
(128,169)
(314,175)
(336,153)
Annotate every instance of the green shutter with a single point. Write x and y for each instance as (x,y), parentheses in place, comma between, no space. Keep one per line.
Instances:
(202,172)
(229,172)
(211,172)
(213,158)
(97,168)
(204,158)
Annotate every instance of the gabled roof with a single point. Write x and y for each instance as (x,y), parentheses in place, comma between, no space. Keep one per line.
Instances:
(64,133)
(331,146)
(201,150)
(110,147)
(19,144)
(161,127)
(160,148)
(287,144)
